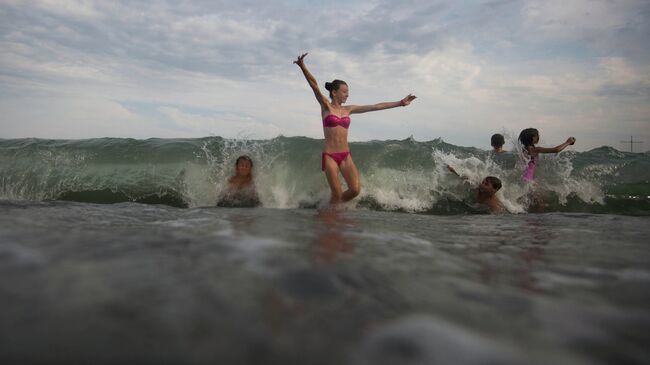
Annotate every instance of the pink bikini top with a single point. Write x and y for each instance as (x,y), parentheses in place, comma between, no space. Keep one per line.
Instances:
(332,121)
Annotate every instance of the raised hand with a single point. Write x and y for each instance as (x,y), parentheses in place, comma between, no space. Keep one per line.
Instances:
(300,61)
(571,140)
(408,99)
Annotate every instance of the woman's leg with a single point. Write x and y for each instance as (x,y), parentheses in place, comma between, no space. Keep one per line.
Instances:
(351,176)
(332,175)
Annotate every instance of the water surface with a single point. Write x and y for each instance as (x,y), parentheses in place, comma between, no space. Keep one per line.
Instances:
(128,283)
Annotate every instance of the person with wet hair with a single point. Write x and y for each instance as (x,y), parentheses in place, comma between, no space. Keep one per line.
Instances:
(497,141)
(240,190)
(529,137)
(486,192)
(336,157)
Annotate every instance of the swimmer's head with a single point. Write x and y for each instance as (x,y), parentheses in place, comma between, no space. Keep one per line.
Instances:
(529,137)
(497,141)
(490,185)
(243,166)
(338,90)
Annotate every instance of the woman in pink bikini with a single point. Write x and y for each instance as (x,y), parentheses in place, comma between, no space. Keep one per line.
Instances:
(336,121)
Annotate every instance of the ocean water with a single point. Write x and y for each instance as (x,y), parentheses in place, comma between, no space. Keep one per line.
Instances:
(138,283)
(407,175)
(112,251)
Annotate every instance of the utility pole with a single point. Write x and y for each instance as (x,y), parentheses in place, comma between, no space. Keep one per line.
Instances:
(631,142)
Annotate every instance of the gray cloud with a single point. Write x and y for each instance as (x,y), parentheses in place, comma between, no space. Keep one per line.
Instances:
(241,39)
(486,64)
(638,90)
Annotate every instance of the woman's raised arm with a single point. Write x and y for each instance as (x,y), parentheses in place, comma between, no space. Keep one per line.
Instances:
(311,80)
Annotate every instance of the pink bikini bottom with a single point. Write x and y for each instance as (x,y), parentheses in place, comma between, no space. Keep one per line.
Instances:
(338,157)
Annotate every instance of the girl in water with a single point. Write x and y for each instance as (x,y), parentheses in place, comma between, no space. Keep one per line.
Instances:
(336,121)
(240,191)
(529,137)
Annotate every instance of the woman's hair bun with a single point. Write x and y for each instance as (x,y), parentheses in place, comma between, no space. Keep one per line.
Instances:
(334,85)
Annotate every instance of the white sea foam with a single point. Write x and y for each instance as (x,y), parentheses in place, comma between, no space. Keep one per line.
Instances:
(404,175)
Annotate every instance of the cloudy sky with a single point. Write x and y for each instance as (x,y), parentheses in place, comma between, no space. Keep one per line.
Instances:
(82,69)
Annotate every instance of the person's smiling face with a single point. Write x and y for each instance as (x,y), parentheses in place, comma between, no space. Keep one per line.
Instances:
(244,168)
(486,187)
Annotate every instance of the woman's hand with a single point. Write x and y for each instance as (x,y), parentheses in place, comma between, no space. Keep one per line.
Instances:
(407,100)
(300,61)
(311,80)
(571,140)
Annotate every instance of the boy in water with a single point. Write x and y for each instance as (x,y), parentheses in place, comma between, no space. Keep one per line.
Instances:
(486,192)
(497,141)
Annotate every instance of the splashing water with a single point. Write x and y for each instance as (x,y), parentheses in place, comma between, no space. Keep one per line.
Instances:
(401,175)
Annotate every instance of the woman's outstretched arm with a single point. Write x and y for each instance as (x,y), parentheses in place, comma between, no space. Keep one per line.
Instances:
(357,109)
(311,80)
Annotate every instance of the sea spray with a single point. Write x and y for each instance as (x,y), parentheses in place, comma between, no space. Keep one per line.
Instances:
(396,175)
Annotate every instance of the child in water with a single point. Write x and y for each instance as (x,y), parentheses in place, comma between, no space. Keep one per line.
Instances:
(497,141)
(486,192)
(240,191)
(529,137)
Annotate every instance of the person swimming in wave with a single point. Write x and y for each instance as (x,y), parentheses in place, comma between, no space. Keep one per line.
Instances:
(336,155)
(529,137)
(240,191)
(497,141)
(486,192)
